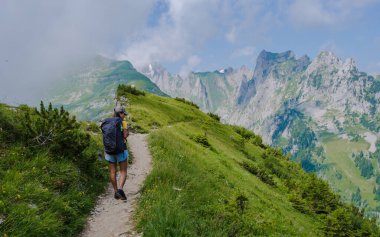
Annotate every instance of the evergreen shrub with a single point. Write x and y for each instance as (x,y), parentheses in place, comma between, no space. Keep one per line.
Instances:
(260,172)
(249,136)
(183,100)
(128,89)
(214,116)
(201,139)
(49,172)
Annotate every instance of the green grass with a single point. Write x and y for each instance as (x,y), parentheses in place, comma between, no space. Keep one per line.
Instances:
(200,187)
(149,111)
(196,191)
(45,193)
(338,153)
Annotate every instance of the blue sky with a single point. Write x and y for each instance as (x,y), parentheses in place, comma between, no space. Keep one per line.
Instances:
(41,38)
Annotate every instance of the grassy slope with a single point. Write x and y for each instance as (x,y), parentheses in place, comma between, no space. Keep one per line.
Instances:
(338,153)
(195,190)
(343,175)
(44,194)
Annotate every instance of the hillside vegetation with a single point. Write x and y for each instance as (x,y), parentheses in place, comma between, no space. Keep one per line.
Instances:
(311,108)
(49,172)
(211,179)
(208,178)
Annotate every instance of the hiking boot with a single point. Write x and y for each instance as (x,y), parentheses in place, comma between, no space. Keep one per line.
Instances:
(118,195)
(122,194)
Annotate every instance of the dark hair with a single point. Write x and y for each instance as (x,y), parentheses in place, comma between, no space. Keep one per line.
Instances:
(116,114)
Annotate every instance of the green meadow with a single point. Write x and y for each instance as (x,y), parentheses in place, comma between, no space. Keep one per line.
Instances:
(339,155)
(208,178)
(213,179)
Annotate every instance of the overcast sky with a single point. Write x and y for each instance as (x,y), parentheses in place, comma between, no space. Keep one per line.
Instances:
(39,38)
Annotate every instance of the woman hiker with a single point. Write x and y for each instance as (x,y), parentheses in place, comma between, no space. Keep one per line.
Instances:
(121,158)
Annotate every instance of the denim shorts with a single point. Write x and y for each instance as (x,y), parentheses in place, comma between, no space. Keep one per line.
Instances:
(118,157)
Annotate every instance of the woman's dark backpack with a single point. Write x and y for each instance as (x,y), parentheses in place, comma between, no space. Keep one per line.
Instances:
(112,136)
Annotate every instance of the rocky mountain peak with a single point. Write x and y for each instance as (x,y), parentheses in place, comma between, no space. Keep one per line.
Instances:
(265,63)
(327,58)
(302,63)
(330,63)
(275,57)
(304,59)
(349,65)
(266,60)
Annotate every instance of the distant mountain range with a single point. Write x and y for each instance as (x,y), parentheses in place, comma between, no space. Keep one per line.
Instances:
(88,91)
(324,111)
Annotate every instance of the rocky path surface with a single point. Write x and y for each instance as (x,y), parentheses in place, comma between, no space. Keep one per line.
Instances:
(113,217)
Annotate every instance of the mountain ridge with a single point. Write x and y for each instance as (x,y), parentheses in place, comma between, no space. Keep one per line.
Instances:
(88,90)
(295,103)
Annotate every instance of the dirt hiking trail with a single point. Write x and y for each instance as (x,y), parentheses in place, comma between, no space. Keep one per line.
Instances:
(111,217)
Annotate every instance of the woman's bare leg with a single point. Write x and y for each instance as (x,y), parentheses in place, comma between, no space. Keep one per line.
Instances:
(123,173)
(112,169)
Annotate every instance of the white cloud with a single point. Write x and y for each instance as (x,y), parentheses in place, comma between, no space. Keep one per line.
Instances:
(188,26)
(192,62)
(248,20)
(164,45)
(38,38)
(308,13)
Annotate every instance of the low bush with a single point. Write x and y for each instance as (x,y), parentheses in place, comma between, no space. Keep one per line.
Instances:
(249,136)
(187,102)
(214,116)
(50,175)
(128,89)
(261,173)
(59,133)
(349,221)
(201,139)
